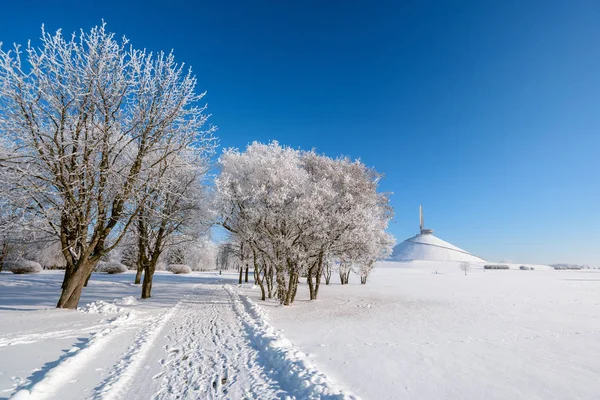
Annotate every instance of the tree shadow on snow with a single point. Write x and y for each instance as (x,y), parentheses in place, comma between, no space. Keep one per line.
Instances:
(40,373)
(41,291)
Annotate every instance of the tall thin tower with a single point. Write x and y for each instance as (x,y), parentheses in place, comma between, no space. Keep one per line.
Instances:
(424,231)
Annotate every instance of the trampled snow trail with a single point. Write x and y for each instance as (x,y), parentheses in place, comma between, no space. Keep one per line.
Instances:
(212,344)
(217,348)
(208,356)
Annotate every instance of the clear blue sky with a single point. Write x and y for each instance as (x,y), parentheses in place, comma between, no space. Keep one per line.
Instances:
(486,112)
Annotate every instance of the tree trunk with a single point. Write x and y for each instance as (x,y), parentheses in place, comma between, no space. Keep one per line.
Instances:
(318,274)
(73,284)
(327,273)
(147,284)
(3,255)
(363,280)
(138,274)
(88,279)
(247,268)
(288,297)
(241,272)
(268,275)
(257,275)
(281,285)
(295,287)
(68,272)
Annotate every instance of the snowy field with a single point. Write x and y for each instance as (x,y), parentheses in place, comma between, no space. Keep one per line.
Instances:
(413,334)
(409,333)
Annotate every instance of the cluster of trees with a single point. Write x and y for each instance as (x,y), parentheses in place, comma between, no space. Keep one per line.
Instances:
(100,144)
(294,213)
(104,152)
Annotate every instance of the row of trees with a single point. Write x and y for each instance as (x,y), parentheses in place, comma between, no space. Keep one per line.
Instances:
(100,141)
(293,213)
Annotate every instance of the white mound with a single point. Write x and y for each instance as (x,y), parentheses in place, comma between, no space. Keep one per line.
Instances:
(427,247)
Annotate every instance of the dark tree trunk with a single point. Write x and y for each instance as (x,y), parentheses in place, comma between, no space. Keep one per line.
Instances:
(327,274)
(295,287)
(363,280)
(344,277)
(281,285)
(246,278)
(288,295)
(68,272)
(138,274)
(73,285)
(318,272)
(88,279)
(257,279)
(147,283)
(3,255)
(268,276)
(241,274)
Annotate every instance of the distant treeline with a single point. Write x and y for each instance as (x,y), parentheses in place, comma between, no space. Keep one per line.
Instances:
(570,266)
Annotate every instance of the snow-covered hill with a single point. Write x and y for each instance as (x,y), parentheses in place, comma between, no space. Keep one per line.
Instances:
(428,247)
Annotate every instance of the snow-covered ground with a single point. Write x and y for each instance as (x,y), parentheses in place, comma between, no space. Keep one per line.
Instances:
(410,333)
(197,338)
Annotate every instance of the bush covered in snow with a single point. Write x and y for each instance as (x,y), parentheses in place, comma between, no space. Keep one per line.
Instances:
(526,268)
(179,269)
(111,267)
(496,266)
(22,267)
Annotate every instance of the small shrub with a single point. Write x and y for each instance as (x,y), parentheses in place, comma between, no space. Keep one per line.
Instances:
(179,269)
(22,267)
(496,266)
(111,267)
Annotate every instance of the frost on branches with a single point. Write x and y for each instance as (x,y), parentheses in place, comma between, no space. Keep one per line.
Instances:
(93,126)
(297,210)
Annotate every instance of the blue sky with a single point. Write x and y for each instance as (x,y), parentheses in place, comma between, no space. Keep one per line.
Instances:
(485,112)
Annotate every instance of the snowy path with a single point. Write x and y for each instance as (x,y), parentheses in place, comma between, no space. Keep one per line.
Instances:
(208,355)
(218,347)
(212,344)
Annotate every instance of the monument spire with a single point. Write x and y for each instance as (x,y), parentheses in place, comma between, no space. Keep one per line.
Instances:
(423,231)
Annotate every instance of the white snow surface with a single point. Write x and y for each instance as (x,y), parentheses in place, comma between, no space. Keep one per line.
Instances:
(197,338)
(427,247)
(417,330)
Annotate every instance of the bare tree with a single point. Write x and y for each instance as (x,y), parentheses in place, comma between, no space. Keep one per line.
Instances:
(465,266)
(89,119)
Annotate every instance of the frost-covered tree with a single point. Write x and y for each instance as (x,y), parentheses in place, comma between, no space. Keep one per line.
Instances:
(294,209)
(465,266)
(175,211)
(201,254)
(88,117)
